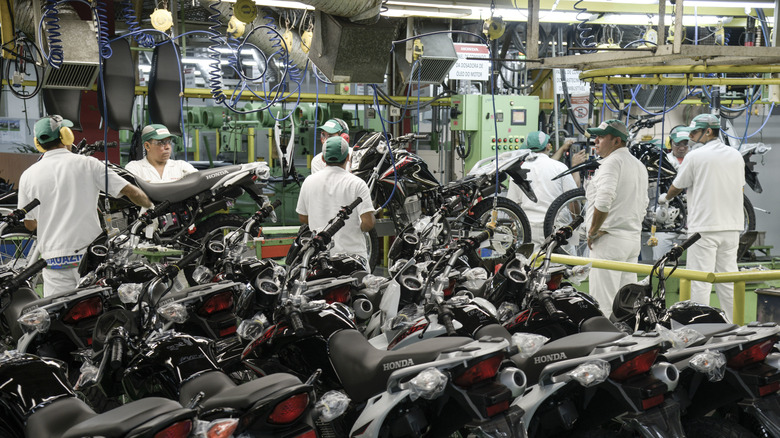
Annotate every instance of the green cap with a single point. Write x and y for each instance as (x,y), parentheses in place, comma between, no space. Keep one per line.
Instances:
(332,126)
(704,121)
(613,127)
(536,141)
(155,132)
(679,134)
(48,128)
(336,150)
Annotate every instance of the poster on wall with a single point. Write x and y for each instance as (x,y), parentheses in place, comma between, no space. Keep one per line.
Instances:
(10,131)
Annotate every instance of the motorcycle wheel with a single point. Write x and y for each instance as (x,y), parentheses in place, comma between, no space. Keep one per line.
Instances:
(7,428)
(372,244)
(561,212)
(750,215)
(512,221)
(711,427)
(15,246)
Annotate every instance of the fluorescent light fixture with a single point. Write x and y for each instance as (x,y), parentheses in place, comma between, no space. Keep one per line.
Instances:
(416,11)
(729,4)
(280,4)
(642,20)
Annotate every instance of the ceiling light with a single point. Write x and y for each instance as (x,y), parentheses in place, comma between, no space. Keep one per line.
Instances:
(280,4)
(417,11)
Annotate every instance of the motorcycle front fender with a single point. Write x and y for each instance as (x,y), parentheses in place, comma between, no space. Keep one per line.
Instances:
(659,422)
(766,410)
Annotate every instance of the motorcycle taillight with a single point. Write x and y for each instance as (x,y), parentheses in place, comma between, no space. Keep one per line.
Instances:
(338,294)
(481,371)
(290,409)
(636,365)
(84,309)
(755,353)
(178,430)
(217,303)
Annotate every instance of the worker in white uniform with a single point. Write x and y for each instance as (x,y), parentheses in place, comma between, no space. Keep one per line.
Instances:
(157,166)
(324,193)
(616,203)
(541,171)
(678,139)
(67,186)
(714,175)
(331,128)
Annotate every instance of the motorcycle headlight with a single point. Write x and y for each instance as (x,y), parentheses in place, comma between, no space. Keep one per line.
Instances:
(37,319)
(129,292)
(428,384)
(590,373)
(711,363)
(174,312)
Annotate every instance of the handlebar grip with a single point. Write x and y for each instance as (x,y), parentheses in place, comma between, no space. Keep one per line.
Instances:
(296,321)
(25,275)
(19,214)
(354,204)
(189,258)
(34,203)
(690,241)
(117,352)
(276,204)
(446,320)
(549,306)
(577,222)
(474,242)
(677,251)
(159,210)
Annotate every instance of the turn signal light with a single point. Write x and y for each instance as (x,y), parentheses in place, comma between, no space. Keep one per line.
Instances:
(217,303)
(289,410)
(84,309)
(179,430)
(486,369)
(639,364)
(652,401)
(756,353)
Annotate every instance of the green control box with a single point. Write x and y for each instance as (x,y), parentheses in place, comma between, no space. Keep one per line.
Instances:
(515,117)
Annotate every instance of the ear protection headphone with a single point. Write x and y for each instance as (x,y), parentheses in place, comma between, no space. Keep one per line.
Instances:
(66,137)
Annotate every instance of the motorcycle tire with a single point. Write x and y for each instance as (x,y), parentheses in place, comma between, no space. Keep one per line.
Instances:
(750,215)
(511,218)
(711,427)
(372,244)
(7,429)
(16,244)
(560,213)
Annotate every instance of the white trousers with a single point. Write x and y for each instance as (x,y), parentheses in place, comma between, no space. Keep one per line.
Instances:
(604,284)
(716,251)
(59,280)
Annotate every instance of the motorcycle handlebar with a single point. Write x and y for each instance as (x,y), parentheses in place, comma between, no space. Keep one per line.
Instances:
(18,214)
(408,137)
(25,275)
(549,306)
(117,353)
(173,270)
(266,211)
(326,235)
(158,210)
(296,321)
(446,320)
(677,251)
(474,242)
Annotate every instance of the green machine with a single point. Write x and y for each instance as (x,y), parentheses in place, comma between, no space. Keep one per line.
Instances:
(516,117)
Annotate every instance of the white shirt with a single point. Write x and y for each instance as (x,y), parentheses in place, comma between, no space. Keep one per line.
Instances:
(68,186)
(714,175)
(542,169)
(322,196)
(317,163)
(618,187)
(174,170)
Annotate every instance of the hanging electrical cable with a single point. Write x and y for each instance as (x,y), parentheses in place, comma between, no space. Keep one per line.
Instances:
(55,57)
(585,37)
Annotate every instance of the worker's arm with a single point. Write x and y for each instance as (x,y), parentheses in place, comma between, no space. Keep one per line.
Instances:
(367,221)
(30,224)
(137,196)
(595,227)
(673,191)
(303,218)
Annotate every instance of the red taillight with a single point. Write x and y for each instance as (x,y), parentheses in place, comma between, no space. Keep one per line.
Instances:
(227,331)
(338,294)
(768,389)
(756,353)
(179,430)
(84,309)
(652,401)
(217,303)
(289,410)
(484,370)
(637,365)
(555,281)
(497,408)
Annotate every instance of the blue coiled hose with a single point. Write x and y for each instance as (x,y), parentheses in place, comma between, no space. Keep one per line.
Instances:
(585,36)
(52,19)
(128,12)
(102,18)
(215,74)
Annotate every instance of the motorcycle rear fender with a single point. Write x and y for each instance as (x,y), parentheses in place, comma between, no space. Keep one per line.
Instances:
(519,177)
(663,420)
(766,410)
(374,414)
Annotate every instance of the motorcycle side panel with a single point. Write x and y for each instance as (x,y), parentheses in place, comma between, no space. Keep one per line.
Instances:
(43,382)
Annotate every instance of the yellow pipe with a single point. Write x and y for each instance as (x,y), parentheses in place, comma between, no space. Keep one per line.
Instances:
(270,159)
(729,277)
(218,141)
(685,289)
(632,267)
(250,145)
(656,80)
(738,312)
(687,69)
(197,144)
(385,250)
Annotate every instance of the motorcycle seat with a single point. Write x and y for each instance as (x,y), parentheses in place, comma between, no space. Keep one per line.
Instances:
(598,324)
(364,370)
(569,347)
(52,419)
(221,392)
(186,187)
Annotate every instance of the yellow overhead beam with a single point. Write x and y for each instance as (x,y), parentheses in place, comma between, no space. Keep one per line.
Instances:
(684,81)
(679,69)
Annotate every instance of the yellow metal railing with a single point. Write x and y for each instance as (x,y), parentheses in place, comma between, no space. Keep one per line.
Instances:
(685,276)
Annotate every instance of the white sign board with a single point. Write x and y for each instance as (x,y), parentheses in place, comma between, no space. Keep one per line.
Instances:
(579,106)
(471,69)
(573,83)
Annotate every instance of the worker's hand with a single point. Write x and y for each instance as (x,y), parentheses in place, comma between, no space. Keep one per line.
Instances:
(579,158)
(662,199)
(593,236)
(567,144)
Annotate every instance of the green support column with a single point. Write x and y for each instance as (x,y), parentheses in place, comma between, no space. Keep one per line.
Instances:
(739,303)
(685,289)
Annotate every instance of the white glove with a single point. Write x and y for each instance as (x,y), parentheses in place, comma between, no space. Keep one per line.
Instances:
(662,199)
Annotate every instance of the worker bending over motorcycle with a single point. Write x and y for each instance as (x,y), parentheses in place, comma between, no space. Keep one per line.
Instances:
(156,166)
(67,186)
(616,202)
(714,175)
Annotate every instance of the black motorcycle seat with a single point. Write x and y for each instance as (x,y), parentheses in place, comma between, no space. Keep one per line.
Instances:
(598,324)
(186,187)
(60,415)
(119,421)
(20,298)
(364,370)
(569,347)
(221,392)
(493,331)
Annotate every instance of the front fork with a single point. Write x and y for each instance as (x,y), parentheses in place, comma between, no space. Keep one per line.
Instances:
(766,410)
(659,422)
